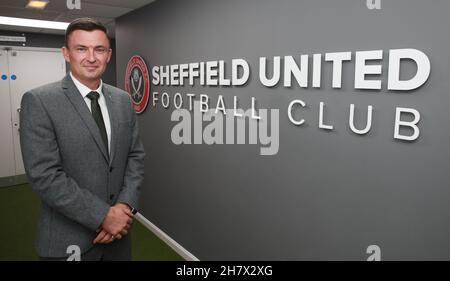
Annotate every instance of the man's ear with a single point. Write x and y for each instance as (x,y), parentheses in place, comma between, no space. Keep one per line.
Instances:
(109,55)
(65,53)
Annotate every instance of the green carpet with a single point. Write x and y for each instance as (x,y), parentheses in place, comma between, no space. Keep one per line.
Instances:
(19,207)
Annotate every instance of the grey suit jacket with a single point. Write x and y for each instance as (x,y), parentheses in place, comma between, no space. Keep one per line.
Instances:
(69,167)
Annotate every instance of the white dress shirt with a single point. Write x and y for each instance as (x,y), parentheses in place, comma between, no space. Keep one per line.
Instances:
(84,91)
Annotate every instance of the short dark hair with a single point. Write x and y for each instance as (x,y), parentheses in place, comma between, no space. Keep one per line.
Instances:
(87,24)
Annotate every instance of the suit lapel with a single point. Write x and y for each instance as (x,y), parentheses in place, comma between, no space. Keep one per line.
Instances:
(72,93)
(112,120)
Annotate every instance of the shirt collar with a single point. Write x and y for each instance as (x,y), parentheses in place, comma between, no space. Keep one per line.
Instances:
(83,89)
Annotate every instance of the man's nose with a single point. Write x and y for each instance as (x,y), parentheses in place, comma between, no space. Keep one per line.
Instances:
(91,55)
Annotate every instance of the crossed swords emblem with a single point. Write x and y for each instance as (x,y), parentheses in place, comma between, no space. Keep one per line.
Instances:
(134,79)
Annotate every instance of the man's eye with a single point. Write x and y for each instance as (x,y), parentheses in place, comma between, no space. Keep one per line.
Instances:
(100,50)
(81,49)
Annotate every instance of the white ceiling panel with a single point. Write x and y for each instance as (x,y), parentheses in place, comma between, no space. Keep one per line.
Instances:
(28,14)
(105,11)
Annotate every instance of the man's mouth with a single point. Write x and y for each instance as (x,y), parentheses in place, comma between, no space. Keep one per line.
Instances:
(91,67)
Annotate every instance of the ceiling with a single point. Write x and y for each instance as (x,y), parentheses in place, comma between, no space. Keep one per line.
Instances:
(105,11)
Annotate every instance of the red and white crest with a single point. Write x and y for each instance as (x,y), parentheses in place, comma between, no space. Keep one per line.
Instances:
(137,83)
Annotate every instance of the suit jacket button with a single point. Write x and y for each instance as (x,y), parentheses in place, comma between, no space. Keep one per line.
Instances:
(110,169)
(111,197)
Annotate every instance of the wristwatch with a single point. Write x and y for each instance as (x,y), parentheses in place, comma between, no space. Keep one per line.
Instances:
(133,210)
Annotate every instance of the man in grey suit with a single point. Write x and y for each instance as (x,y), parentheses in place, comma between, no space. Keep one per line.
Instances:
(82,154)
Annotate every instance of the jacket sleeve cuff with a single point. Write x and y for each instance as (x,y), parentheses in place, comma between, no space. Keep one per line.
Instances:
(98,216)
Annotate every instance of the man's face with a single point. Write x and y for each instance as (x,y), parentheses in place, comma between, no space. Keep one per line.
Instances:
(88,53)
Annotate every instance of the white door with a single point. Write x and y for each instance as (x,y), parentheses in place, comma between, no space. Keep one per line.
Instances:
(7,166)
(29,68)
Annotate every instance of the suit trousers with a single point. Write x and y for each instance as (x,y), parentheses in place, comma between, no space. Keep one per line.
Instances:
(118,250)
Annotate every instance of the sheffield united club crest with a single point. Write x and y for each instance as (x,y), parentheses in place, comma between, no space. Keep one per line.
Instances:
(137,83)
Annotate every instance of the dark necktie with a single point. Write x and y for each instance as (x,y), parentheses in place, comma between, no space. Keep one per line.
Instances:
(98,117)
